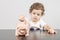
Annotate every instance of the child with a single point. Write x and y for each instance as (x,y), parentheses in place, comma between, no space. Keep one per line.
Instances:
(37,11)
(22,28)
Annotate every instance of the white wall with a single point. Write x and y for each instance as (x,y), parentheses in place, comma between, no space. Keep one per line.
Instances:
(11,9)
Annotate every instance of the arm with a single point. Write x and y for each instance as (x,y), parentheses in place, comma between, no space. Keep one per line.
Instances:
(27,23)
(17,28)
(27,32)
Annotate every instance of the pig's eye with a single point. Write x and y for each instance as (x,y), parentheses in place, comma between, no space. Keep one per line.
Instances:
(22,20)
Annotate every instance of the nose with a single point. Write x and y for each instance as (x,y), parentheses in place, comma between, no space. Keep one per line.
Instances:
(35,15)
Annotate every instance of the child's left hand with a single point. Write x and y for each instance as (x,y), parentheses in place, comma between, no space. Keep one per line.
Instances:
(51,31)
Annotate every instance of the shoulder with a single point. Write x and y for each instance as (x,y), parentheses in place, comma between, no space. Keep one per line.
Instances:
(42,22)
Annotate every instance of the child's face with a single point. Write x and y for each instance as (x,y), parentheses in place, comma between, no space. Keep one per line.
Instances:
(36,15)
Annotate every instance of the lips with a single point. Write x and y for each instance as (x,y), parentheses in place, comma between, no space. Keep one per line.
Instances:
(35,18)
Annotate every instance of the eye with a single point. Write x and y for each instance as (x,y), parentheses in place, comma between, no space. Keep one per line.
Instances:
(34,13)
(38,14)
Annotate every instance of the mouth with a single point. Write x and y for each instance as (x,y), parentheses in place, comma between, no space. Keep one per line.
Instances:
(35,18)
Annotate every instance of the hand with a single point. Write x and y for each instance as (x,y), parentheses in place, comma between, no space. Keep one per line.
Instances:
(51,31)
(23,31)
(27,35)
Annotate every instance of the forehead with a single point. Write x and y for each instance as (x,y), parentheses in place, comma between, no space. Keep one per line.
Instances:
(36,11)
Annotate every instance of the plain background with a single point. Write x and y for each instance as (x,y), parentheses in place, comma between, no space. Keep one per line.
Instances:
(11,9)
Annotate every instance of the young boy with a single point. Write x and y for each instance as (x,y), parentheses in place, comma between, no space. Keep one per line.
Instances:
(37,11)
(22,28)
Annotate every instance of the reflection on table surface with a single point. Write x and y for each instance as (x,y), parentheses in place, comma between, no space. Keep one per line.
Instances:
(9,34)
(39,35)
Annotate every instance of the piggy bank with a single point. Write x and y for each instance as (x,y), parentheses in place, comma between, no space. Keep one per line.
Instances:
(22,27)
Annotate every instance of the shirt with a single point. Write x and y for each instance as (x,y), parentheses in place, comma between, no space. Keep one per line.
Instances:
(38,24)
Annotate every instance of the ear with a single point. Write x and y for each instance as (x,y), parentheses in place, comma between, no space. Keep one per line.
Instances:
(42,14)
(30,13)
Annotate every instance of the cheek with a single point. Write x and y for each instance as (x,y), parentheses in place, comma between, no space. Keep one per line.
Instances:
(32,15)
(38,17)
